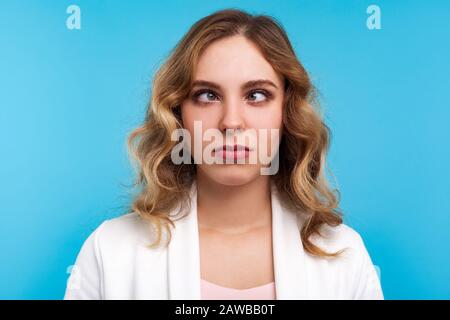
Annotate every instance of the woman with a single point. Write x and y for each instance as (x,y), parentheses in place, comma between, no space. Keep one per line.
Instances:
(233,227)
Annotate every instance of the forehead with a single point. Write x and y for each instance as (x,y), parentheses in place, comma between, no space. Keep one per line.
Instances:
(234,60)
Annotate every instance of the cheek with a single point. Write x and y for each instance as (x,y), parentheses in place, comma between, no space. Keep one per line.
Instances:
(266,118)
(197,120)
(191,114)
(270,121)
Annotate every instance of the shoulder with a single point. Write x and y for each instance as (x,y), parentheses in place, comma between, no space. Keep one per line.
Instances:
(346,240)
(109,246)
(354,264)
(339,237)
(128,229)
(126,224)
(116,237)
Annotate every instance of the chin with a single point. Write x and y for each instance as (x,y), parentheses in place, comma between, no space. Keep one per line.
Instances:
(232,175)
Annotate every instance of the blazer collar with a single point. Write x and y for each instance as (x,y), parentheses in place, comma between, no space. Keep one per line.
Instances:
(288,253)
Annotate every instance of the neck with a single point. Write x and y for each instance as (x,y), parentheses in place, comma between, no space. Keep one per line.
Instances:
(233,209)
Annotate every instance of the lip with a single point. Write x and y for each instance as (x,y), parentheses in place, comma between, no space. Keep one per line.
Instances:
(232,152)
(236,147)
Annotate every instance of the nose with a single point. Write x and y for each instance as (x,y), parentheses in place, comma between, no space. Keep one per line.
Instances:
(232,116)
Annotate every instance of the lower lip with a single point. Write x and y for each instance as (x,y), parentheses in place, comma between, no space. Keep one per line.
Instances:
(228,154)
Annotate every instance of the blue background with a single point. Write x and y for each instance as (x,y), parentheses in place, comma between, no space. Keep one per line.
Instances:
(70,97)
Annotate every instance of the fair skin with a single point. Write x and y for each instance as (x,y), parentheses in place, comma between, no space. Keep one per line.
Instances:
(233,204)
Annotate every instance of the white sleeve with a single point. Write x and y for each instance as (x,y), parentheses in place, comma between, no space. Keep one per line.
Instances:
(86,278)
(368,286)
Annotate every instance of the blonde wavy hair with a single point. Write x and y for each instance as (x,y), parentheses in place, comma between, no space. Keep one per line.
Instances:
(164,186)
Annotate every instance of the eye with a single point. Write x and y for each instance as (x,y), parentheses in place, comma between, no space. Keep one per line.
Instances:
(259,96)
(204,96)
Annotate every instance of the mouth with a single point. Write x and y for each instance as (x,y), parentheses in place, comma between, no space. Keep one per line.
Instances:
(236,147)
(232,151)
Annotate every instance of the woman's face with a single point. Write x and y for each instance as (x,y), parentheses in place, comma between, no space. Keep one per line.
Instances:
(227,93)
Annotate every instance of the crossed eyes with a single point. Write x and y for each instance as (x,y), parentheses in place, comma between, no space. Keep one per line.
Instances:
(256,96)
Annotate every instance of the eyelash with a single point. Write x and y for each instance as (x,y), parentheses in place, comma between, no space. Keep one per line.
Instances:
(196,94)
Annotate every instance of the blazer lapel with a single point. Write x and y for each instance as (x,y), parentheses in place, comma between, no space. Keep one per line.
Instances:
(288,254)
(184,255)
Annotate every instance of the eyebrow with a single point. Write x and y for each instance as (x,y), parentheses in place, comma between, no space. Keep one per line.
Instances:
(247,85)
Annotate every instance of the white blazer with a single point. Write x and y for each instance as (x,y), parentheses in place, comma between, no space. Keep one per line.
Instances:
(114,262)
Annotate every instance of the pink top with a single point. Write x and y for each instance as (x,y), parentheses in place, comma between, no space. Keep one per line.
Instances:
(212,291)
